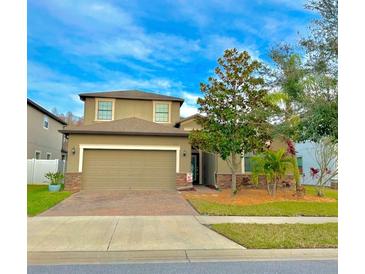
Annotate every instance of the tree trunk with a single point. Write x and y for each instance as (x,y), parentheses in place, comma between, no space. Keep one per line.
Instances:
(233,170)
(296,173)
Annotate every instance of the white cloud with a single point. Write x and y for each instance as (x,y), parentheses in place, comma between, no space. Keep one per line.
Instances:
(190,97)
(217,44)
(188,110)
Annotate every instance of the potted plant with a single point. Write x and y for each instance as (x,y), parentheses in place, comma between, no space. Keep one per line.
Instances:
(55,179)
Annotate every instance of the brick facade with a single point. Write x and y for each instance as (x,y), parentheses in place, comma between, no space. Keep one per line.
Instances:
(244,180)
(73,181)
(181,183)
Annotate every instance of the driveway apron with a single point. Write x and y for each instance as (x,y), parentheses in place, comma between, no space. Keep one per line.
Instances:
(122,233)
(123,203)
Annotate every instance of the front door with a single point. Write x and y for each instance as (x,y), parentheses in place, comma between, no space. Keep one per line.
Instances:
(195,168)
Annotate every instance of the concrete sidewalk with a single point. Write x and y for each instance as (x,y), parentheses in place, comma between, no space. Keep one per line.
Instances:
(122,233)
(206,220)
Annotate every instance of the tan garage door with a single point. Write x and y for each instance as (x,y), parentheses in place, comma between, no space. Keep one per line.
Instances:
(129,169)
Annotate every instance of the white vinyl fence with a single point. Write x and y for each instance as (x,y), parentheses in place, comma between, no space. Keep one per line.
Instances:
(36,169)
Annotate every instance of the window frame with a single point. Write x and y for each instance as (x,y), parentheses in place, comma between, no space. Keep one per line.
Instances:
(35,154)
(50,156)
(45,119)
(97,100)
(169,111)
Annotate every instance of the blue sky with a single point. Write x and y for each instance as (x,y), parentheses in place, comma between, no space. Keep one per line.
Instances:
(167,47)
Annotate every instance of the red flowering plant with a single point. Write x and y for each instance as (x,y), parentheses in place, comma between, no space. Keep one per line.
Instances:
(291,152)
(326,160)
(314,172)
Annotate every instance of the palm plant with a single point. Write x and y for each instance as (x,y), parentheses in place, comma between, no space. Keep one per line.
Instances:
(274,165)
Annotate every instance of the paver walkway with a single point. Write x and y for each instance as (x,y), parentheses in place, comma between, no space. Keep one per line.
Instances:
(265,220)
(122,203)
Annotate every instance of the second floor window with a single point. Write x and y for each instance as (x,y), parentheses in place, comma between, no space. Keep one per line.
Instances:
(162,112)
(45,122)
(105,110)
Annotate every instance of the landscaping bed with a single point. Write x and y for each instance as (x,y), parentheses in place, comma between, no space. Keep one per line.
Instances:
(270,236)
(40,199)
(257,202)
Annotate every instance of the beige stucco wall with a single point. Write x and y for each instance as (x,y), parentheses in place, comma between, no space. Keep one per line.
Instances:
(76,139)
(278,143)
(190,125)
(41,139)
(124,108)
(223,167)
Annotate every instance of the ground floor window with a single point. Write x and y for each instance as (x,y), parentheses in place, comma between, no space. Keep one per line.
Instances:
(37,155)
(48,156)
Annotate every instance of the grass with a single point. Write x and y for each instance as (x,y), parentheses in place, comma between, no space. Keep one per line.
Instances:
(286,208)
(281,235)
(40,199)
(329,192)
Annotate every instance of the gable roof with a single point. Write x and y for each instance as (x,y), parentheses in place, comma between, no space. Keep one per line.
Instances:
(131,94)
(191,117)
(44,111)
(127,126)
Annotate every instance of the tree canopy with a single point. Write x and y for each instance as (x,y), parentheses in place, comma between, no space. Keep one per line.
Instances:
(235,109)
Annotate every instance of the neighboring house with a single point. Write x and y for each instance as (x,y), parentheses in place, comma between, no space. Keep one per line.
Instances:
(44,141)
(136,140)
(307,151)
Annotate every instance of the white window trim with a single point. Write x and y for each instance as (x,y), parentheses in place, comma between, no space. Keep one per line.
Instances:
(50,155)
(154,109)
(45,117)
(128,147)
(96,108)
(40,154)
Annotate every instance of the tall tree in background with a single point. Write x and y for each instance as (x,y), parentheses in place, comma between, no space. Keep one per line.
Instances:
(321,47)
(287,83)
(236,110)
(69,118)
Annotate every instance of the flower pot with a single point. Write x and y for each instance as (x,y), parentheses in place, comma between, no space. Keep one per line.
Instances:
(54,188)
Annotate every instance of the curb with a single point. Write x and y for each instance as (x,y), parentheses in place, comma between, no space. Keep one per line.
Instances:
(187,256)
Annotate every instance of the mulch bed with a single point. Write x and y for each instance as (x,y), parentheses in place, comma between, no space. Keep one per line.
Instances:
(253,196)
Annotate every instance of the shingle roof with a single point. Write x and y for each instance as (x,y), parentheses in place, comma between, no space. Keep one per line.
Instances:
(196,115)
(43,110)
(131,94)
(127,126)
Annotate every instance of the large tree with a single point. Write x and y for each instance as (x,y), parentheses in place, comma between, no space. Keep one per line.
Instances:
(321,48)
(287,83)
(235,110)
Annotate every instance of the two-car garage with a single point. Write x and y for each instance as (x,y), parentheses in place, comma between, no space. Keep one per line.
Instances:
(128,169)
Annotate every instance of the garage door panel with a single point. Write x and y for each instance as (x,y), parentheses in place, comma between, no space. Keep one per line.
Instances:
(129,169)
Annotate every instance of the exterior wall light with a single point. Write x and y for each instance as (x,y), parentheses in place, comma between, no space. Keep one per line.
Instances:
(73,150)
(184,153)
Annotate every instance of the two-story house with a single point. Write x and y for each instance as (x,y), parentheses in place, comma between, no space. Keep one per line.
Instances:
(44,141)
(137,140)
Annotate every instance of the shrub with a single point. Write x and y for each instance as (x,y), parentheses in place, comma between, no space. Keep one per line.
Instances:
(55,178)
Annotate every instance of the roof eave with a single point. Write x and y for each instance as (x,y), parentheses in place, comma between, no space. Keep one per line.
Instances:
(83,97)
(93,132)
(45,111)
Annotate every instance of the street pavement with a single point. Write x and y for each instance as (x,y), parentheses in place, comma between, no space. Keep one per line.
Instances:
(262,267)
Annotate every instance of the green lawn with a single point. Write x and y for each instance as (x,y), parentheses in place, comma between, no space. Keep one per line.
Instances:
(281,235)
(329,192)
(40,199)
(287,208)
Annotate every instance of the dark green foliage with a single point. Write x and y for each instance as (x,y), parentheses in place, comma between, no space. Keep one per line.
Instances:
(321,120)
(235,107)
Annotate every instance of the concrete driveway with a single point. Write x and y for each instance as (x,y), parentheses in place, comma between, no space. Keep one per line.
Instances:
(122,203)
(122,233)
